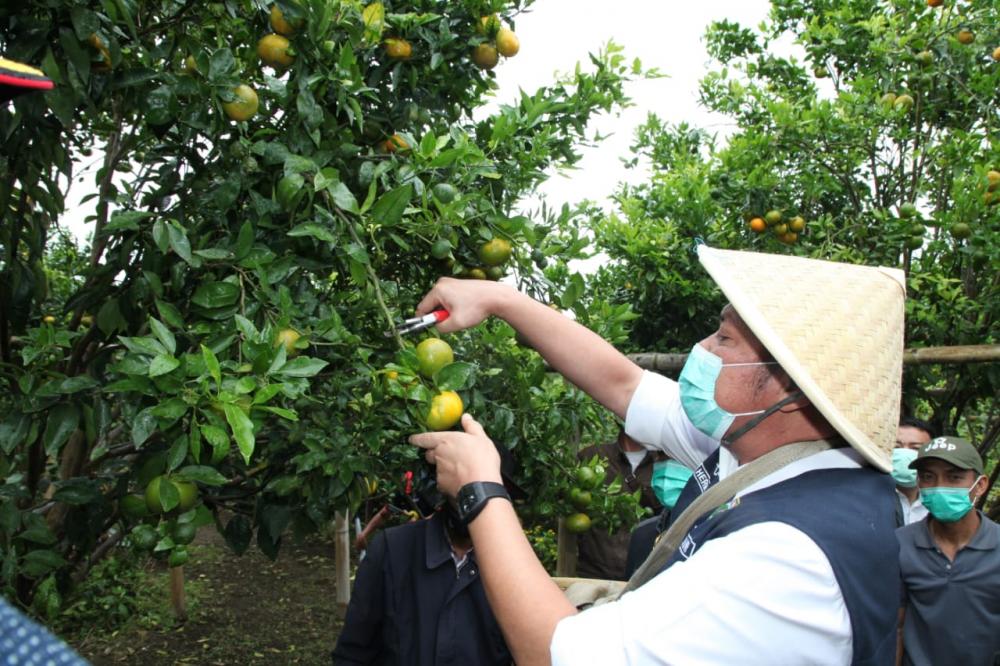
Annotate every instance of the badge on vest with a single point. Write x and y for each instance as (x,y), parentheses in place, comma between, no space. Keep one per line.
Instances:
(687,548)
(702,477)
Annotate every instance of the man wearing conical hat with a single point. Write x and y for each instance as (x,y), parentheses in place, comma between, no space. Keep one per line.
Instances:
(781,548)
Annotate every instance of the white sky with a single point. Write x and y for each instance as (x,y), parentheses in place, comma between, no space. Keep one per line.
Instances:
(555,35)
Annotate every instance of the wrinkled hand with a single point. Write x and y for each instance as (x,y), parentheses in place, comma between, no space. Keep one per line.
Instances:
(468,302)
(460,457)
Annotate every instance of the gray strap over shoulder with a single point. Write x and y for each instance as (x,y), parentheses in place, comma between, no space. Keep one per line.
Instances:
(713,498)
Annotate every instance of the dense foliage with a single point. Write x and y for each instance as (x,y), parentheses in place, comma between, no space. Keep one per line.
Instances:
(266,210)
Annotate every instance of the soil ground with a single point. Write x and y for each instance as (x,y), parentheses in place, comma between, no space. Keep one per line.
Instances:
(241,610)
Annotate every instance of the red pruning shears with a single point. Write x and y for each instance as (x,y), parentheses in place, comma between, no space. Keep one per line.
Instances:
(416,324)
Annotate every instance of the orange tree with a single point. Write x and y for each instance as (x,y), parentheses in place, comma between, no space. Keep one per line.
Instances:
(880,147)
(267,205)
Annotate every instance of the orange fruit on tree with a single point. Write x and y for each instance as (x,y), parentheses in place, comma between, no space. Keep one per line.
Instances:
(485,56)
(395,143)
(758,225)
(993,178)
(445,410)
(904,102)
(398,49)
(244,106)
(507,43)
(287,337)
(187,491)
(797,223)
(281,25)
(477,274)
(780,229)
(965,36)
(190,66)
(935,3)
(49,319)
(788,237)
(960,230)
(494,252)
(996,53)
(273,51)
(432,355)
(772,216)
(578,523)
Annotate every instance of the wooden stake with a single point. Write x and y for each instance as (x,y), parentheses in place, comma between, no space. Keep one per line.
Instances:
(342,562)
(566,561)
(178,601)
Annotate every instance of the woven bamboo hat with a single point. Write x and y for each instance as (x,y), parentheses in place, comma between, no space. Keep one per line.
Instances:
(836,329)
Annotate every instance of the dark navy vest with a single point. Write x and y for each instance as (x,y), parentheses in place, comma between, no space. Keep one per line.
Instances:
(849,514)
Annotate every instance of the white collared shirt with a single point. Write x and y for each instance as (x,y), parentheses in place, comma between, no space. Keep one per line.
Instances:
(765,594)
(912,513)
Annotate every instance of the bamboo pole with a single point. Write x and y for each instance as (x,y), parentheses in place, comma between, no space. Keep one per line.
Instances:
(342,562)
(566,558)
(919,356)
(178,600)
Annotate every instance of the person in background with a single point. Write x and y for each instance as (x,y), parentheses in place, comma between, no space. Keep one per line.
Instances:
(950,563)
(600,554)
(911,435)
(669,479)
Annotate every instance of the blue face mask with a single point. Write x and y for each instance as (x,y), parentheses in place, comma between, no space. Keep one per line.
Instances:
(901,472)
(948,505)
(669,479)
(697,387)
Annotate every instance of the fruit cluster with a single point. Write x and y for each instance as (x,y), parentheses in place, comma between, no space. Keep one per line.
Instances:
(785,230)
(499,41)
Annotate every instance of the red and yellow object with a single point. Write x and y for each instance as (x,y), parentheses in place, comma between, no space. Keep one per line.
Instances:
(17,78)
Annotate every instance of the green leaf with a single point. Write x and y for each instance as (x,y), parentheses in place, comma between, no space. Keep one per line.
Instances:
(244,241)
(314,229)
(388,210)
(125,220)
(282,412)
(170,410)
(266,393)
(343,198)
(170,314)
(77,384)
(242,428)
(162,364)
(163,334)
(217,437)
(143,425)
(238,532)
(179,243)
(201,474)
(169,497)
(62,420)
(303,366)
(212,365)
(216,294)
(13,430)
(77,492)
(177,453)
(455,376)
(37,563)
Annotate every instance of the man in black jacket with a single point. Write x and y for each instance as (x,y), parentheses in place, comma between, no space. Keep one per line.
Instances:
(418,600)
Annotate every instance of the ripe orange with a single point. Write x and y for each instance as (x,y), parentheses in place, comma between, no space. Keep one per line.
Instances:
(758,225)
(432,355)
(398,49)
(244,106)
(965,36)
(445,411)
(273,51)
(993,177)
(507,43)
(287,337)
(578,523)
(485,56)
(280,25)
(996,53)
(788,237)
(395,143)
(935,3)
(797,223)
(494,252)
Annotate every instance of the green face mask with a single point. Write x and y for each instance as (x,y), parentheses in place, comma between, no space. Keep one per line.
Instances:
(669,479)
(947,505)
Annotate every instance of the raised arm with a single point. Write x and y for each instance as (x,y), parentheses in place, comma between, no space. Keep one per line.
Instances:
(579,354)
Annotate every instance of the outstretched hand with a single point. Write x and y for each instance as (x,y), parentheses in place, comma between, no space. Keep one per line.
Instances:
(460,457)
(468,302)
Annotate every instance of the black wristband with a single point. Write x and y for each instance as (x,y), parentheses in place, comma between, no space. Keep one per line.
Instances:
(472,498)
